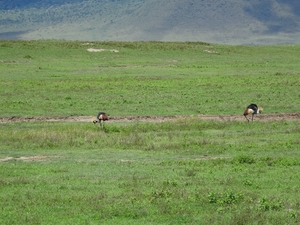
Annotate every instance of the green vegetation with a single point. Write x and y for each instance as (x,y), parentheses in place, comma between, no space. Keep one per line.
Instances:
(181,171)
(145,78)
(178,172)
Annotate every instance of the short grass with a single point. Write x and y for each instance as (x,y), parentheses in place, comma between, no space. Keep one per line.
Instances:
(51,78)
(183,171)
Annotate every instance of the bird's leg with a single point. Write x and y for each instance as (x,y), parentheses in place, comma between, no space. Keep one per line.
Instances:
(99,123)
(246,118)
(252,117)
(102,124)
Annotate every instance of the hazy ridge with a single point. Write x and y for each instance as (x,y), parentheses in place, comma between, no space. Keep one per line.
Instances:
(230,22)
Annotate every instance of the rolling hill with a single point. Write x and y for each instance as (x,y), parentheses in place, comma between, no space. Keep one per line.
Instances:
(230,22)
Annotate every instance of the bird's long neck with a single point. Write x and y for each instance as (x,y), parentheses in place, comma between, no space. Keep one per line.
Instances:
(259,110)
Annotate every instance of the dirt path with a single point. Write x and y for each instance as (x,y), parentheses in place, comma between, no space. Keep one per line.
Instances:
(260,117)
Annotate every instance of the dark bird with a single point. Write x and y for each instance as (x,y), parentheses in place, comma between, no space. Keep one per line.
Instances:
(251,110)
(101,116)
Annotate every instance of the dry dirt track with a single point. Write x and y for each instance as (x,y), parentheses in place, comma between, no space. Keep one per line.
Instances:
(260,117)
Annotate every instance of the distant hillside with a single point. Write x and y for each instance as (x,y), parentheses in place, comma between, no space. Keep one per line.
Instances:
(231,21)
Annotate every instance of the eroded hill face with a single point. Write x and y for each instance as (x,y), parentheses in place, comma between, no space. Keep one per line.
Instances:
(230,22)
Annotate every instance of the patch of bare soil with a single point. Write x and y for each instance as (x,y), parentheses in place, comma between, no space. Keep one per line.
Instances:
(28,159)
(260,117)
(101,50)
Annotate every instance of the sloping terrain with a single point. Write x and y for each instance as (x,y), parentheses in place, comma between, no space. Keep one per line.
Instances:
(231,22)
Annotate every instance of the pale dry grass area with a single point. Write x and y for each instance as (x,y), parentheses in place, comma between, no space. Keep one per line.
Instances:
(101,50)
(29,158)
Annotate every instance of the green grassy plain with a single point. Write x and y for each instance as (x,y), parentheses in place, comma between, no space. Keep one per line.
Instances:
(52,78)
(182,171)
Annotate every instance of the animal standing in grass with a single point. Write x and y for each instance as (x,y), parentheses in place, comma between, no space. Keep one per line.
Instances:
(101,116)
(251,110)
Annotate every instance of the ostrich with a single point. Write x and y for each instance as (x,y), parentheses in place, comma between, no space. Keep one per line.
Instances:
(101,116)
(252,109)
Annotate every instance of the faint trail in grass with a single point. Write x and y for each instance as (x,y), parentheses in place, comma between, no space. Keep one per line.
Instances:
(262,117)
